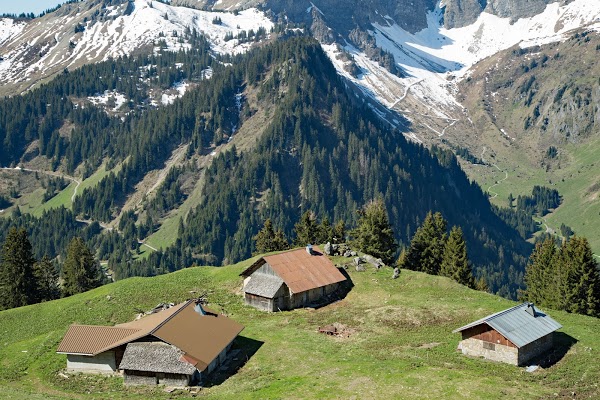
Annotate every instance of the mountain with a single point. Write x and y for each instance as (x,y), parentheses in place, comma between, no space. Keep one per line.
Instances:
(176,129)
(86,32)
(398,328)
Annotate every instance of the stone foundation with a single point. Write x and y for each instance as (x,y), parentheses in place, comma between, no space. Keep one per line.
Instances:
(490,351)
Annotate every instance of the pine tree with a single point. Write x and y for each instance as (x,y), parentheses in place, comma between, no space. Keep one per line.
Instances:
(306,229)
(267,240)
(339,232)
(80,270)
(426,249)
(540,274)
(264,238)
(373,234)
(280,242)
(17,282)
(46,275)
(325,231)
(455,263)
(583,296)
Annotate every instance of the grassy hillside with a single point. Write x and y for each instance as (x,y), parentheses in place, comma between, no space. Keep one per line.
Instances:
(402,345)
(542,97)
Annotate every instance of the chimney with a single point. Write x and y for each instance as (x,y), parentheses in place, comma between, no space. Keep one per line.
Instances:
(309,249)
(198,308)
(530,310)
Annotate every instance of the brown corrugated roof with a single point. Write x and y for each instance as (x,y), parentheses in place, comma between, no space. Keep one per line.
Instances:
(300,270)
(201,337)
(91,339)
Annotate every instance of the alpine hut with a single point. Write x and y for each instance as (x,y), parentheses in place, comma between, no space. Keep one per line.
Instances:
(513,336)
(292,279)
(178,346)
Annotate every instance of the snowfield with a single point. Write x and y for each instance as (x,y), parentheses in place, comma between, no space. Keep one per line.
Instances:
(47,45)
(435,58)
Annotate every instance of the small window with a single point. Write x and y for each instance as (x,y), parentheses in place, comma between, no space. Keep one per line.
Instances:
(489,346)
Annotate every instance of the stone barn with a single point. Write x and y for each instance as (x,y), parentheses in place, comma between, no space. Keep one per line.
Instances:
(178,346)
(292,279)
(513,336)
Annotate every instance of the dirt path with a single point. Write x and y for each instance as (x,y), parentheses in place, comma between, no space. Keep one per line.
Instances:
(497,182)
(406,92)
(55,174)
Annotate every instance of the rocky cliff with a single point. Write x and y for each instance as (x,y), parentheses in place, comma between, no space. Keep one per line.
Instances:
(459,13)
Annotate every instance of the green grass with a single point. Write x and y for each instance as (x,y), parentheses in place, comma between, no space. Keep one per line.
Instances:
(166,235)
(63,198)
(34,204)
(575,179)
(384,358)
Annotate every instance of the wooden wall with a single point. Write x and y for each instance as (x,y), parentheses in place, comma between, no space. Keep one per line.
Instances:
(487,334)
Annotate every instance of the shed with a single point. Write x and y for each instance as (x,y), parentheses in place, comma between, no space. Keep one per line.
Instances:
(514,336)
(292,279)
(177,346)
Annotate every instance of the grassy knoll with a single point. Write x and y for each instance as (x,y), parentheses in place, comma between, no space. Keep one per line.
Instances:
(402,346)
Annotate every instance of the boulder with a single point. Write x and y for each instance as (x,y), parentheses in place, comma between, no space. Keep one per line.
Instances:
(360,268)
(327,249)
(396,273)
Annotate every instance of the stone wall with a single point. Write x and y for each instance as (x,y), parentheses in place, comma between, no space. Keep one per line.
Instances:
(491,351)
(130,378)
(536,348)
(103,363)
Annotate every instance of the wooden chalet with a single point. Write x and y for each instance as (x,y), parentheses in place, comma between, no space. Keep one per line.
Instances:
(513,336)
(292,279)
(178,346)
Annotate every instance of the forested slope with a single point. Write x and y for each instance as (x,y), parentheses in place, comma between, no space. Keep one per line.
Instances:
(319,149)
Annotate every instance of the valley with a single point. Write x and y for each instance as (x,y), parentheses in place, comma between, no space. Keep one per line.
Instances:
(450,86)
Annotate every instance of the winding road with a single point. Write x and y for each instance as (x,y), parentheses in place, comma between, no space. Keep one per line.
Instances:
(55,174)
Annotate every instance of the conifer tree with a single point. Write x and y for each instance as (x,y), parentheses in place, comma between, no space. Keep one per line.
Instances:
(264,238)
(306,229)
(46,275)
(267,240)
(373,234)
(325,231)
(540,273)
(583,282)
(80,270)
(339,231)
(17,282)
(455,263)
(426,249)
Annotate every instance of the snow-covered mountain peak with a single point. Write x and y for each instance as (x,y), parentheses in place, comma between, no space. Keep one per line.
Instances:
(90,32)
(435,58)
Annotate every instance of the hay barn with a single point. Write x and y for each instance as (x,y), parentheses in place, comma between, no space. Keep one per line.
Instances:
(513,336)
(178,346)
(292,279)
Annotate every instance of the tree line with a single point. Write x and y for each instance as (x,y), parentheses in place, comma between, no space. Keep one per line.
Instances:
(25,280)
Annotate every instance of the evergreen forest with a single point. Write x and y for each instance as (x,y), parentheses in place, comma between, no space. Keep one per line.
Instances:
(320,150)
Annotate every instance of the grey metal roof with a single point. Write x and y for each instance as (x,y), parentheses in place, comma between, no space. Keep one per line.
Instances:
(521,324)
(263,285)
(155,357)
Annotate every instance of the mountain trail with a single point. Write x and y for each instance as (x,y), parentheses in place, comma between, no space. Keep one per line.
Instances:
(489,189)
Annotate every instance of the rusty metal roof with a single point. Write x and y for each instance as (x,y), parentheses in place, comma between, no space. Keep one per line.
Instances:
(201,337)
(300,270)
(521,324)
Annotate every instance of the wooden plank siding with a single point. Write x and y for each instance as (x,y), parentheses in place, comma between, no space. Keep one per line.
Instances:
(486,333)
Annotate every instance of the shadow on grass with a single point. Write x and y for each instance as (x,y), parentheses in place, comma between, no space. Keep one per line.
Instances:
(241,352)
(562,343)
